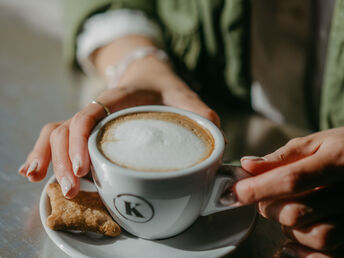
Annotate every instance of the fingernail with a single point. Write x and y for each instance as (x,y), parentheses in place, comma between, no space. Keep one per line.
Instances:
(66,185)
(30,178)
(287,252)
(32,168)
(21,168)
(76,165)
(253,158)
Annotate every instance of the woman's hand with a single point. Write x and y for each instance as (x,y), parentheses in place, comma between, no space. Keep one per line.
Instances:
(301,186)
(65,143)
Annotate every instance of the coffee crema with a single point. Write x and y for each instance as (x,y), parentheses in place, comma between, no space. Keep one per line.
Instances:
(155,141)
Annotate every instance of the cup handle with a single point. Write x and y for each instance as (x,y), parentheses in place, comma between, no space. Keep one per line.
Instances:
(226,177)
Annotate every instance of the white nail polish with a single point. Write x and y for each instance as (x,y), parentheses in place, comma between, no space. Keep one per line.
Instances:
(66,185)
(76,165)
(21,167)
(32,168)
(253,158)
(30,179)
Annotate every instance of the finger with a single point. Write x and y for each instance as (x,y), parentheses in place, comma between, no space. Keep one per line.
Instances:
(294,150)
(61,162)
(294,250)
(184,98)
(23,168)
(288,180)
(83,122)
(325,236)
(38,160)
(304,210)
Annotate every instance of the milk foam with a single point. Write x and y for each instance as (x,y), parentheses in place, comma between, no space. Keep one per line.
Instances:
(153,145)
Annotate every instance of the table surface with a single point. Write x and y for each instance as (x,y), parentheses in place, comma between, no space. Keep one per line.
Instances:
(36,88)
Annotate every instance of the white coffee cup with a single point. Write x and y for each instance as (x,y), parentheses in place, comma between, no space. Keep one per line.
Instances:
(155,205)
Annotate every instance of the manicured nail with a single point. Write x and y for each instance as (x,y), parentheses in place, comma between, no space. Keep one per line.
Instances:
(287,252)
(30,178)
(66,185)
(21,168)
(76,165)
(253,158)
(32,168)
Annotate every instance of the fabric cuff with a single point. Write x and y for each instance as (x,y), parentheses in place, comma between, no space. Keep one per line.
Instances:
(101,29)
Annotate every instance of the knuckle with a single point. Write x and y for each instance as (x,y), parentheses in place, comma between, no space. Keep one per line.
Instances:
(294,142)
(292,214)
(58,131)
(284,152)
(81,117)
(290,182)
(62,129)
(281,155)
(49,126)
(300,141)
(294,148)
(307,141)
(77,117)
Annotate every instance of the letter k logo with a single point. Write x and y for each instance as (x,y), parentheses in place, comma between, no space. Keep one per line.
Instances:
(133,208)
(130,209)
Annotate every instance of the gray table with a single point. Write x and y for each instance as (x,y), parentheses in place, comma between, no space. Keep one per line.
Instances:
(36,89)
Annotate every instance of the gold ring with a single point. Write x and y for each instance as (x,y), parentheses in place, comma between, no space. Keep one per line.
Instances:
(106,109)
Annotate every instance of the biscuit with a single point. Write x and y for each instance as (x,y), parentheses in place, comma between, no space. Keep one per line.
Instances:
(85,212)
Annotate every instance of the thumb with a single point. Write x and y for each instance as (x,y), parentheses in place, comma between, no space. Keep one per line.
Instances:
(296,149)
(185,98)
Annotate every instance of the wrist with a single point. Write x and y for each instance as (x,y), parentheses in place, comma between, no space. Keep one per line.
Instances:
(114,52)
(144,69)
(114,73)
(147,71)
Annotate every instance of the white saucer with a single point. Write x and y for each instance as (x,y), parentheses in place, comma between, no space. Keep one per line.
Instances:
(211,236)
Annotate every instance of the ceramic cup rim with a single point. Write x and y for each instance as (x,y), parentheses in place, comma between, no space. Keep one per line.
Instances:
(217,152)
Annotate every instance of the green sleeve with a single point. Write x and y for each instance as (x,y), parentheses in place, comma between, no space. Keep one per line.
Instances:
(189,31)
(77,11)
(332,102)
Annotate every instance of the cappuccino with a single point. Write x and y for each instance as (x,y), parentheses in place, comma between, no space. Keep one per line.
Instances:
(155,141)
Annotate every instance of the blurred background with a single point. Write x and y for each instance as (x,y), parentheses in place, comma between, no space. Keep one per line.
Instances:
(35,88)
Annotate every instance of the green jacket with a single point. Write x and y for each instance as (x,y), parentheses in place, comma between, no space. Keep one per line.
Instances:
(183,23)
